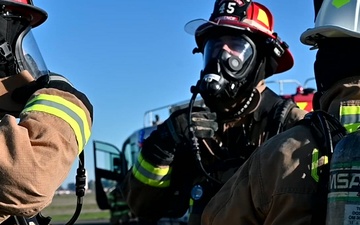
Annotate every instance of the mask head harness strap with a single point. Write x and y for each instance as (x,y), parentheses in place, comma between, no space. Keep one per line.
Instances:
(10,28)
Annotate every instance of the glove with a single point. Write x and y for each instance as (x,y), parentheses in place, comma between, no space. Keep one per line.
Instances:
(176,127)
(21,95)
(160,147)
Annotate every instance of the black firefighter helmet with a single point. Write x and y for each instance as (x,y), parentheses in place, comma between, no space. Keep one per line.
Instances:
(18,48)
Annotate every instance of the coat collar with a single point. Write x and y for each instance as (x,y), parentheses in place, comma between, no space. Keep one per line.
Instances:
(343,91)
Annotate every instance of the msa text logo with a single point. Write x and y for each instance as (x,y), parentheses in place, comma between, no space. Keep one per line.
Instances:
(341,180)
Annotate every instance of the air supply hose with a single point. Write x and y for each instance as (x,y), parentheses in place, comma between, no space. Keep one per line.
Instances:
(194,140)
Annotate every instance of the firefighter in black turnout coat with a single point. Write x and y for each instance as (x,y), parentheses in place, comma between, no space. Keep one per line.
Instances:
(191,154)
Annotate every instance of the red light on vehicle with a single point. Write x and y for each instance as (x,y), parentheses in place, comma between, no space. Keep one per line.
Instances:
(299,90)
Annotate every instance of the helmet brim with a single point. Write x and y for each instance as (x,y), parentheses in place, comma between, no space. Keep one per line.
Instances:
(198,27)
(36,15)
(310,36)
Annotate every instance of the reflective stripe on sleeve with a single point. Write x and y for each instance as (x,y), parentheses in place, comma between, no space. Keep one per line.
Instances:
(64,109)
(316,162)
(350,117)
(191,204)
(151,175)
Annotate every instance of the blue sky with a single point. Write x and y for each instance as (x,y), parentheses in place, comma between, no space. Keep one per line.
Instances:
(133,56)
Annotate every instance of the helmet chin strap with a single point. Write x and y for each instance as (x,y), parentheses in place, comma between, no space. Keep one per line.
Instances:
(10,28)
(7,58)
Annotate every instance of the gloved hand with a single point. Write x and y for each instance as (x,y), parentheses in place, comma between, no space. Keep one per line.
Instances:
(176,126)
(160,147)
(21,95)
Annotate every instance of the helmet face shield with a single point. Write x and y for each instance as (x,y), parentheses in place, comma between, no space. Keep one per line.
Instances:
(28,55)
(233,54)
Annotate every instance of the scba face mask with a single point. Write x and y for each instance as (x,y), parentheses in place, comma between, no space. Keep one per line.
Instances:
(233,54)
(18,48)
(228,62)
(29,56)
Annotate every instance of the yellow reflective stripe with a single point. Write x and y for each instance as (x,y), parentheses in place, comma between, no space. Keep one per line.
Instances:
(350,117)
(351,127)
(315,164)
(66,110)
(349,110)
(191,204)
(151,175)
(154,170)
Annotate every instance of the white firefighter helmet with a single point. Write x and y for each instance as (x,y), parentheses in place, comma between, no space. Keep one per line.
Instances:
(336,18)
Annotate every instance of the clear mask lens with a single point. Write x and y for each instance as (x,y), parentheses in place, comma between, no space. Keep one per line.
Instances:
(29,56)
(233,53)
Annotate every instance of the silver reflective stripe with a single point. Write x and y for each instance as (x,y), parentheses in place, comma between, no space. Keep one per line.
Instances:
(60,78)
(65,109)
(348,119)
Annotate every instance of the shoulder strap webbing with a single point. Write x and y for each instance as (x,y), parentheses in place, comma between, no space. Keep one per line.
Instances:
(272,111)
(327,129)
(280,117)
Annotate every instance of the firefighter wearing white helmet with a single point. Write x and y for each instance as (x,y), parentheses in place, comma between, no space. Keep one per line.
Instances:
(178,164)
(45,122)
(292,177)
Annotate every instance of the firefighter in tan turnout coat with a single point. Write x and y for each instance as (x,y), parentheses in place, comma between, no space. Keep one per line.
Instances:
(45,122)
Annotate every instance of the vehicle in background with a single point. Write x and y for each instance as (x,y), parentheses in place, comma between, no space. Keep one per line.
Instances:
(303,95)
(111,164)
